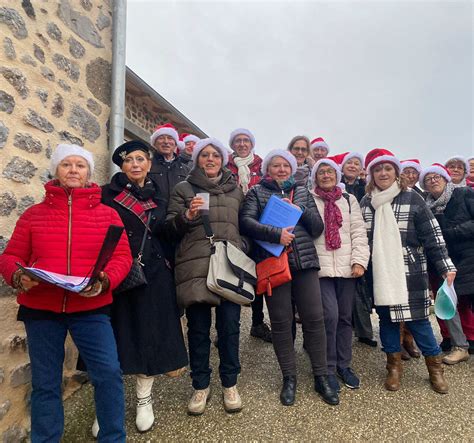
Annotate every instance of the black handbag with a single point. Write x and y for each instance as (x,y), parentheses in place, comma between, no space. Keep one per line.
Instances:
(136,276)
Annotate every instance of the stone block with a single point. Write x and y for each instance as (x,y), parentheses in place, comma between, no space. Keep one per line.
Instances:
(37,121)
(68,66)
(2,375)
(28,60)
(45,176)
(38,53)
(14,21)
(103,21)
(28,143)
(16,78)
(64,85)
(43,95)
(4,131)
(57,108)
(94,107)
(15,434)
(24,203)
(28,8)
(47,73)
(75,48)
(85,122)
(7,102)
(19,170)
(5,291)
(98,79)
(9,49)
(3,243)
(43,39)
(20,375)
(79,24)
(4,408)
(7,203)
(70,138)
(54,32)
(15,342)
(86,4)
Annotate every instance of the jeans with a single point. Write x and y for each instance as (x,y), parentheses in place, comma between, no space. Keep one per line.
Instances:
(420,329)
(257,311)
(228,332)
(95,340)
(337,295)
(304,289)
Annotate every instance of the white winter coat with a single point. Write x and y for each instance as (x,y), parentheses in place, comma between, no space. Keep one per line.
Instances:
(354,243)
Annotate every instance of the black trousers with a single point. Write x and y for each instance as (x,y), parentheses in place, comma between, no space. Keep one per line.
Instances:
(257,311)
(304,288)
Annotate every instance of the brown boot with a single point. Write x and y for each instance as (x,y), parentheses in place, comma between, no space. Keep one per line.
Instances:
(409,343)
(436,371)
(394,368)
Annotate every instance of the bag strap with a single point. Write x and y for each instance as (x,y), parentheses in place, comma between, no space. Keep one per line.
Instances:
(346,196)
(205,220)
(142,246)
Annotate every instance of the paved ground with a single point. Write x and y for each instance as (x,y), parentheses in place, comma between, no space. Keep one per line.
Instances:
(372,414)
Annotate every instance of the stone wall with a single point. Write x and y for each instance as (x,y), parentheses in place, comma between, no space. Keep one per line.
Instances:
(142,114)
(54,87)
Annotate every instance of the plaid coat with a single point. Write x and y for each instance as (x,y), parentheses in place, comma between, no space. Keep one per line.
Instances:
(421,237)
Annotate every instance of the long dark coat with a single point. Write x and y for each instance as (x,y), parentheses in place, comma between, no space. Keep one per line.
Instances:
(146,320)
(193,251)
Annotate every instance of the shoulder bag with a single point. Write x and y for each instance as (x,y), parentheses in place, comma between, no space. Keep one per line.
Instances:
(136,276)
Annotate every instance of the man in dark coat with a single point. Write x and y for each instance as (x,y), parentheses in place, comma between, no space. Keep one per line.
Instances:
(167,169)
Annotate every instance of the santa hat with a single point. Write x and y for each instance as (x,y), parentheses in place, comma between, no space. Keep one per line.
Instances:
(411,163)
(435,168)
(330,161)
(348,155)
(166,129)
(201,144)
(461,159)
(287,155)
(319,143)
(191,138)
(180,143)
(241,131)
(64,150)
(380,155)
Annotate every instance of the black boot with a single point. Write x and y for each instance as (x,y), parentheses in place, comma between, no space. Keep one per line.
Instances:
(288,390)
(321,386)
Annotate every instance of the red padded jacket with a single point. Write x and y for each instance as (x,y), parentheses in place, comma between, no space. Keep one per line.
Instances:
(64,234)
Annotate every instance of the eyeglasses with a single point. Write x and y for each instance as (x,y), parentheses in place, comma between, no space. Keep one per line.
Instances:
(299,149)
(329,172)
(432,179)
(243,141)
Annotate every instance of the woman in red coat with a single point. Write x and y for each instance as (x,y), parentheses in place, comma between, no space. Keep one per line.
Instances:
(64,234)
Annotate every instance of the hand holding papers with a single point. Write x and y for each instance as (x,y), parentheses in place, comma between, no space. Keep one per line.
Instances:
(282,214)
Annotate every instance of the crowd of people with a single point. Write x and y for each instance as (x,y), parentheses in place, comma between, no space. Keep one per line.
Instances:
(374,231)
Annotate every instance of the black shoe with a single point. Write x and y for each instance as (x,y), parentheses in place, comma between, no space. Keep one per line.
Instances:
(321,386)
(261,331)
(471,347)
(368,342)
(335,386)
(288,390)
(445,345)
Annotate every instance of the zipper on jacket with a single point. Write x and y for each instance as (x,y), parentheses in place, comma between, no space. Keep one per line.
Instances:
(69,234)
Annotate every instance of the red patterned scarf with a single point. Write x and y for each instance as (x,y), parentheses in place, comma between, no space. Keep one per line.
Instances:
(332,217)
(138,207)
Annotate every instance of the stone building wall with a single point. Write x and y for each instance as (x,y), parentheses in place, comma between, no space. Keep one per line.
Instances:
(54,87)
(142,114)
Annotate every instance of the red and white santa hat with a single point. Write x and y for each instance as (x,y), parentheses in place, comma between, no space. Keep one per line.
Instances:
(287,155)
(202,143)
(241,131)
(411,163)
(330,161)
(461,159)
(166,129)
(346,156)
(190,138)
(180,143)
(380,155)
(319,142)
(435,168)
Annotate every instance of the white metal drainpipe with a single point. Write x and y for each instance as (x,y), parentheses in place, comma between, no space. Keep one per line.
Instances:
(117,100)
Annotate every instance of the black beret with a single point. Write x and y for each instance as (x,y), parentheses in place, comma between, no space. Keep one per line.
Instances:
(123,150)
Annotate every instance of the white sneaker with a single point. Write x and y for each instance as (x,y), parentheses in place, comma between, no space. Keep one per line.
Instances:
(197,404)
(145,417)
(232,400)
(95,428)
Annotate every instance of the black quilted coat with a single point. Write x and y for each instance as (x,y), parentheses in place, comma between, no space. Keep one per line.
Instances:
(309,227)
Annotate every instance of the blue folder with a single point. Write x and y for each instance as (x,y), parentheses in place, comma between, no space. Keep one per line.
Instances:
(280,214)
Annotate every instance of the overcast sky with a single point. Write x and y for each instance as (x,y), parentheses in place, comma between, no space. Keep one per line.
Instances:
(397,75)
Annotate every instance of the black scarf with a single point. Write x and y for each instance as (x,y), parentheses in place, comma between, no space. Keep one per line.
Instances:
(144,193)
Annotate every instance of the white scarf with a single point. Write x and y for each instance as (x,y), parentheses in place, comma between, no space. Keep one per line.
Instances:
(390,285)
(244,171)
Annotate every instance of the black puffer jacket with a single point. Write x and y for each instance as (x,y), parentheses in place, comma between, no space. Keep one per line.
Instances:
(457,224)
(168,174)
(309,227)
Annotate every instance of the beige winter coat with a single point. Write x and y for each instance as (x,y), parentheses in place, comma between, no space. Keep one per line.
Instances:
(354,244)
